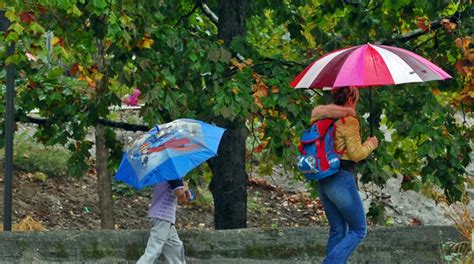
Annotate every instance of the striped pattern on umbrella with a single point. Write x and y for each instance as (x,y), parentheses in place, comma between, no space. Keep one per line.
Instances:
(368,65)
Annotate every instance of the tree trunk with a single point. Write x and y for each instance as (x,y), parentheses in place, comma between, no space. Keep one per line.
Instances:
(232,15)
(104,181)
(229,181)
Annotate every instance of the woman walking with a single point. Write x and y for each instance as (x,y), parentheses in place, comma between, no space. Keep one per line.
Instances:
(339,193)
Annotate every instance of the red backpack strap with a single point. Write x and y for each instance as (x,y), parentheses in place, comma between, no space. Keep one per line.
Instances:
(334,135)
(300,148)
(323,126)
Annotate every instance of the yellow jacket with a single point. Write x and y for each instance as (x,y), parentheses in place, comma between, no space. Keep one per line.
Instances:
(348,137)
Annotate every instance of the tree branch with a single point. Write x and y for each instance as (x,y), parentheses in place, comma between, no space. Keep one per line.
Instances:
(418,32)
(436,24)
(123,125)
(209,13)
(285,62)
(108,123)
(424,42)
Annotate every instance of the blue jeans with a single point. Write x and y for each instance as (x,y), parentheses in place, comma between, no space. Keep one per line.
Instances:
(345,213)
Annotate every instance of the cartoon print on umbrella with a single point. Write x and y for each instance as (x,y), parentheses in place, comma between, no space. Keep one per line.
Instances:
(156,144)
(168,151)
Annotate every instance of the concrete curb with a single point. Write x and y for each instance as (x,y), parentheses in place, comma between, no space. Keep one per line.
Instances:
(252,245)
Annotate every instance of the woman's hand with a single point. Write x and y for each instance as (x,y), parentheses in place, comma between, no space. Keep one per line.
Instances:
(373,141)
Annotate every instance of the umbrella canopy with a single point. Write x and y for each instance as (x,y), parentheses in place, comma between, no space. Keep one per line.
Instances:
(368,65)
(168,152)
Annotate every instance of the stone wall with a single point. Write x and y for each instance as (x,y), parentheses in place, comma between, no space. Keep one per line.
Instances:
(276,245)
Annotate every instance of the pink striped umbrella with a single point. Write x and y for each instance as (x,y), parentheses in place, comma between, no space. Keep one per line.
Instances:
(368,65)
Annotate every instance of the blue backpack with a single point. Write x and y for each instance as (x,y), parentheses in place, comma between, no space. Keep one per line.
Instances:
(318,158)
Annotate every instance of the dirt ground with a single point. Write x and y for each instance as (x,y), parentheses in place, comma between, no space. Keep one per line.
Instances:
(72,204)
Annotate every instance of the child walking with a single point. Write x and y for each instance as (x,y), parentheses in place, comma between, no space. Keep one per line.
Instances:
(162,214)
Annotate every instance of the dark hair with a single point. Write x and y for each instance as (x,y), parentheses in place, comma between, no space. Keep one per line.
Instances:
(341,95)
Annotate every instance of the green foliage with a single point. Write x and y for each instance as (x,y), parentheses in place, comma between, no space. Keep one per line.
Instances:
(183,70)
(204,199)
(428,145)
(376,213)
(451,253)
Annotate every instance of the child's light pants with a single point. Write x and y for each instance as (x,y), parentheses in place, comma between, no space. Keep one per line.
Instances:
(163,240)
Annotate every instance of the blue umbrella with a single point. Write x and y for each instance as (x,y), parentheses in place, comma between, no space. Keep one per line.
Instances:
(168,152)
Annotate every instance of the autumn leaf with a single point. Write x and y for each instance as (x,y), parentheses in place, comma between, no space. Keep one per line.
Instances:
(414,222)
(145,42)
(237,64)
(469,55)
(444,130)
(423,23)
(260,89)
(436,92)
(466,42)
(31,85)
(89,81)
(235,90)
(74,69)
(57,40)
(42,9)
(258,149)
(459,43)
(275,89)
(272,113)
(27,17)
(459,66)
(448,25)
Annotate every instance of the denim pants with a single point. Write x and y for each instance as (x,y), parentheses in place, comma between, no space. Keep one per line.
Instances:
(345,213)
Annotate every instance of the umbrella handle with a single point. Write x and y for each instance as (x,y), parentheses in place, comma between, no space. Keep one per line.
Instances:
(371,114)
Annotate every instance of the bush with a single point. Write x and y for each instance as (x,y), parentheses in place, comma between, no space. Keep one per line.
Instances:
(461,214)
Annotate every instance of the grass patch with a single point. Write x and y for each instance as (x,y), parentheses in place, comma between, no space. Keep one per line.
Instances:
(30,156)
(120,189)
(254,204)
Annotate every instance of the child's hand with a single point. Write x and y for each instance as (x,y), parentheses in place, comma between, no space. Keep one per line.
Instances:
(189,195)
(181,194)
